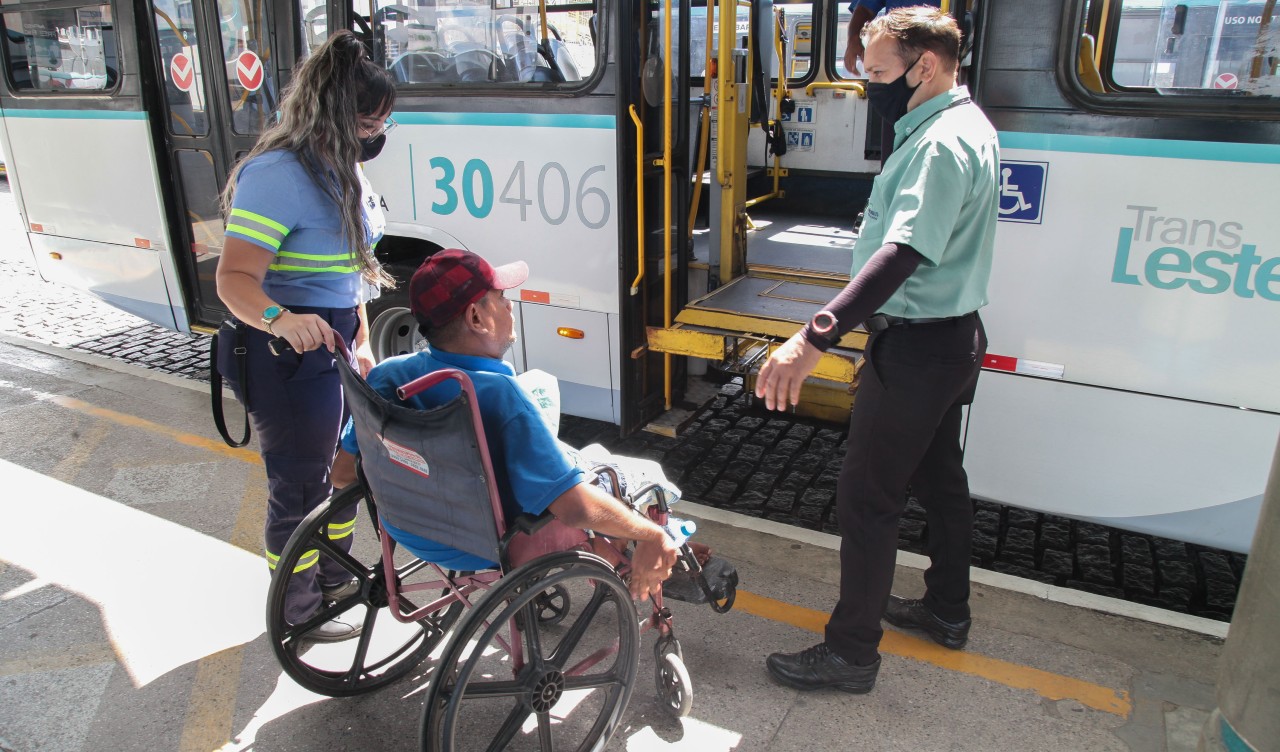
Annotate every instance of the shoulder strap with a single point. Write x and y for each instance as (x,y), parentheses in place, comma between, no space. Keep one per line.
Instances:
(215,387)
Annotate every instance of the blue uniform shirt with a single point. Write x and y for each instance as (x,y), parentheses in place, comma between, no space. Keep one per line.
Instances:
(530,467)
(280,208)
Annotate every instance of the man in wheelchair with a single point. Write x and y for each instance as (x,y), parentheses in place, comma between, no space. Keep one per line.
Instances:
(457,299)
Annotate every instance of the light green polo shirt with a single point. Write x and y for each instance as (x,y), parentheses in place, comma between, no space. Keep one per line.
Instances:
(939,194)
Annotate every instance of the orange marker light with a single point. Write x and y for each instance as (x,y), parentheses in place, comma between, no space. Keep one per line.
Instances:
(55,256)
(565,331)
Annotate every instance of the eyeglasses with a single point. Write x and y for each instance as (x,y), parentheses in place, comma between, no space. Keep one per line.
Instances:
(386,127)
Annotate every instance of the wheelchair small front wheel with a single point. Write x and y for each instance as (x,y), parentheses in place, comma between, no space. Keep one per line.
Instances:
(675,688)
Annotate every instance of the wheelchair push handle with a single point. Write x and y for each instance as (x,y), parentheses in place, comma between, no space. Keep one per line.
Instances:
(279,346)
(423,383)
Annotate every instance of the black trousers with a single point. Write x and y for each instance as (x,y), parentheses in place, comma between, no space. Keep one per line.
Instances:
(297,411)
(904,431)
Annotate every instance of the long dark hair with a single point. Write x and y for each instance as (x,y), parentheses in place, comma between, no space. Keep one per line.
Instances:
(319,111)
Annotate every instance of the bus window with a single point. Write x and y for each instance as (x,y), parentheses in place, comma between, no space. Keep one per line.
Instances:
(67,49)
(246,49)
(314,15)
(180,60)
(801,47)
(1204,47)
(841,37)
(430,42)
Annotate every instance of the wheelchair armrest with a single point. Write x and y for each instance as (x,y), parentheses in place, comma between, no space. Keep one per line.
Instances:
(527,524)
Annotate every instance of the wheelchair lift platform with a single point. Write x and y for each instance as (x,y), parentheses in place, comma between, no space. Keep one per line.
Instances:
(795,265)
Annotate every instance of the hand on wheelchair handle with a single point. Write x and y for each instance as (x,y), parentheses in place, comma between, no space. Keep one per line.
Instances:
(651,563)
(279,346)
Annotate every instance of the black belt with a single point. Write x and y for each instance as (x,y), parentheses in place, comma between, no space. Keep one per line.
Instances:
(881,321)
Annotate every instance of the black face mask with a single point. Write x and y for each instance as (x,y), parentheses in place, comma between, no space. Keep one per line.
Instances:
(372,147)
(890,100)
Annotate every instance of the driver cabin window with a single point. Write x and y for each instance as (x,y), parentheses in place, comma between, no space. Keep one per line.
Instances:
(447,42)
(71,49)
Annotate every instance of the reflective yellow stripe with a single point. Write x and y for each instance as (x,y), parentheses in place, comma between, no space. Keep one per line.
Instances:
(242,230)
(314,256)
(261,220)
(291,268)
(341,530)
(308,559)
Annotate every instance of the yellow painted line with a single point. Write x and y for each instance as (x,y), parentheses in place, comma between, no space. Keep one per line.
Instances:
(75,656)
(212,708)
(81,453)
(132,421)
(1044,683)
(211,711)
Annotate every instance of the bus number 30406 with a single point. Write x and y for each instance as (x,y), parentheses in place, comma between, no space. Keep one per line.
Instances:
(555,197)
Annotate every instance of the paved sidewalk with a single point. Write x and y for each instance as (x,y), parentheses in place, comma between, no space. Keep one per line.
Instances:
(736,456)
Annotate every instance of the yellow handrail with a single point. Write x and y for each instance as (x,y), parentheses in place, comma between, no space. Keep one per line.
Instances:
(780,91)
(635,285)
(705,139)
(667,143)
(854,86)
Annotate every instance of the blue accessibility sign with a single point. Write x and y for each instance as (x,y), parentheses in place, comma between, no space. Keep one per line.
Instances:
(1022,191)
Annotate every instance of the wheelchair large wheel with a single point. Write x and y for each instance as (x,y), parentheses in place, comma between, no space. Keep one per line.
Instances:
(510,680)
(385,649)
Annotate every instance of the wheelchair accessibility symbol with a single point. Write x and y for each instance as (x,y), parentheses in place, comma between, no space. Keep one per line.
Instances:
(1022,191)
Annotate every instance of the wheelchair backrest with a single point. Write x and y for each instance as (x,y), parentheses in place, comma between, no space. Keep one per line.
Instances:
(428,471)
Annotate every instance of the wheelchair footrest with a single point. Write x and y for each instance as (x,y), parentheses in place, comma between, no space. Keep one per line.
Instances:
(717,581)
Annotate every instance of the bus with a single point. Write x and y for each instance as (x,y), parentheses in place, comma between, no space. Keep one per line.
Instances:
(683,179)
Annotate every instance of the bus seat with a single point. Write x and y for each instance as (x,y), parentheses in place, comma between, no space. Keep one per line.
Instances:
(421,68)
(1086,68)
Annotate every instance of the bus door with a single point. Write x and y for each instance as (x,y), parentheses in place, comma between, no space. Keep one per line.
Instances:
(218,67)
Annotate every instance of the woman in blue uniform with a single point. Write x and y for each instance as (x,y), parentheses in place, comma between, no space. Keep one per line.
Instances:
(302,222)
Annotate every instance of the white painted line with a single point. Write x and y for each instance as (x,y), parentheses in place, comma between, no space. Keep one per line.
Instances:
(1052,593)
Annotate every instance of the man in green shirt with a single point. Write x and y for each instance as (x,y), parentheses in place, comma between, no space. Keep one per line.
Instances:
(921,266)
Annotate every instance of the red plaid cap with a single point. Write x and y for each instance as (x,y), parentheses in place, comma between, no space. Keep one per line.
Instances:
(452,279)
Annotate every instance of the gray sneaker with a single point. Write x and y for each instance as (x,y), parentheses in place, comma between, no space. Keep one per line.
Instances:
(335,630)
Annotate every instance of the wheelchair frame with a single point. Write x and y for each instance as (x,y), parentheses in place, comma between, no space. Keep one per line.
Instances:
(523,599)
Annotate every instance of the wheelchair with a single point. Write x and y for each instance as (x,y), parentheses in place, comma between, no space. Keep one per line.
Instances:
(541,651)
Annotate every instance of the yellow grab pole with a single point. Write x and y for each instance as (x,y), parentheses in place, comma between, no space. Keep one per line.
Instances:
(667,132)
(635,118)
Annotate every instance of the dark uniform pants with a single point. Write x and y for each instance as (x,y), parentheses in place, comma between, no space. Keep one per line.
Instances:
(297,411)
(905,432)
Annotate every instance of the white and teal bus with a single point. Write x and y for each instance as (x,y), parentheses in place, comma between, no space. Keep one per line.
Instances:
(632,153)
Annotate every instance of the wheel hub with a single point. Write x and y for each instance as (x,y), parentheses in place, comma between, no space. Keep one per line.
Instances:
(547,691)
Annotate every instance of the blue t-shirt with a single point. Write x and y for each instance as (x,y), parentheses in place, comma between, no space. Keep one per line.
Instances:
(528,464)
(280,208)
(875,6)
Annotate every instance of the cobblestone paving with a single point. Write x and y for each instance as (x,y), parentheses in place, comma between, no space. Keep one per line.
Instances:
(734,456)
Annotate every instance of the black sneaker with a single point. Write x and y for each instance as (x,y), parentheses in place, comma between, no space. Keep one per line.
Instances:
(819,668)
(909,613)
